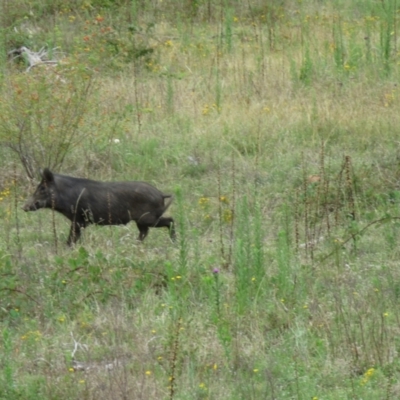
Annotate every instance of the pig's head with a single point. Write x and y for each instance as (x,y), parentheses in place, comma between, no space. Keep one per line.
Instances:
(44,194)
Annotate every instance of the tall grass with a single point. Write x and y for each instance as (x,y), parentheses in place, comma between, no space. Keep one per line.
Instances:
(275,126)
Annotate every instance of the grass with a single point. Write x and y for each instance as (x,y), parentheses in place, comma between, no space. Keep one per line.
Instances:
(276,129)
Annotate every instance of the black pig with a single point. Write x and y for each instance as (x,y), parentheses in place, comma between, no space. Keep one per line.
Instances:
(86,202)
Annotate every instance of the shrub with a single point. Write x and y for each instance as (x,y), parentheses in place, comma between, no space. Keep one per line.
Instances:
(41,113)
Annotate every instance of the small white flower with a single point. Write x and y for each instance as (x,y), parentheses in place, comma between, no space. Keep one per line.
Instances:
(116,141)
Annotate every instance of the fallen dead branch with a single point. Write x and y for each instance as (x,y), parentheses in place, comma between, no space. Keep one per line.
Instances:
(34,58)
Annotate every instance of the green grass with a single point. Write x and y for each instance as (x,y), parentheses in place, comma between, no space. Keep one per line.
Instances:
(276,129)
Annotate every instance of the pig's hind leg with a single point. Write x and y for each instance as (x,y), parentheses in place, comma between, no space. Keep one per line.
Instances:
(169,223)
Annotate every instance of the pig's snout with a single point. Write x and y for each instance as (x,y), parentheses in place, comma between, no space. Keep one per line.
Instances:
(30,206)
(26,207)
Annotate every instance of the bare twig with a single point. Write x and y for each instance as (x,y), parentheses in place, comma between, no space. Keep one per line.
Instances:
(34,58)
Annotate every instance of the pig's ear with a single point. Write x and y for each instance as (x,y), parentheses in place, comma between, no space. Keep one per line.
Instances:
(47,175)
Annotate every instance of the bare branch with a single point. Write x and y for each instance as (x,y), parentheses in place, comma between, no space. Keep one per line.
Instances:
(34,58)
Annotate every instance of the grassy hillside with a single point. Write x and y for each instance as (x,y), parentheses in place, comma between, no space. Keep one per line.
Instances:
(276,127)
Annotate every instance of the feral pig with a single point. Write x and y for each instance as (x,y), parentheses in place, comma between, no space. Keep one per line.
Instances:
(85,202)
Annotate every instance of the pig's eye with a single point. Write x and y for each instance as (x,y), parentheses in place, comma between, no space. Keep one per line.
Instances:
(42,189)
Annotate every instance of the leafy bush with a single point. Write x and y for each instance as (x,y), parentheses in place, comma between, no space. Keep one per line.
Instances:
(41,112)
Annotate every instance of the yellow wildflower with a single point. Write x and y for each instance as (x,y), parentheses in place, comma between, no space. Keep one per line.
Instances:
(203,201)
